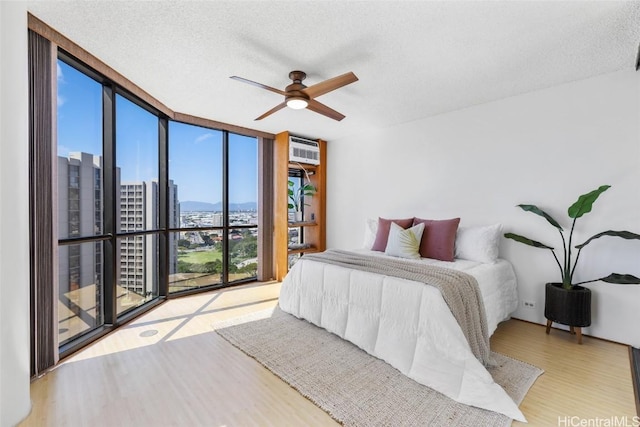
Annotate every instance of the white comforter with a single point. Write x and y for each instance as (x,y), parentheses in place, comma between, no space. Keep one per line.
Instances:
(407,323)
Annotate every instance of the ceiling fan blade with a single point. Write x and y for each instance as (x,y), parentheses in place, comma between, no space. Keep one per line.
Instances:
(329,85)
(272,89)
(324,110)
(273,110)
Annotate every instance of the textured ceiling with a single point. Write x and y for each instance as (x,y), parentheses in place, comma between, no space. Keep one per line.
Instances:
(414,59)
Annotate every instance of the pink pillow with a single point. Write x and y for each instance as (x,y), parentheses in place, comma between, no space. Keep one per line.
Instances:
(439,238)
(380,244)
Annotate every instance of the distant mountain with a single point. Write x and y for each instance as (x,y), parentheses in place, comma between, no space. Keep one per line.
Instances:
(191,206)
(199,207)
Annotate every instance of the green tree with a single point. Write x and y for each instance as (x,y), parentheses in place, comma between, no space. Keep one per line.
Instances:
(184,243)
(250,269)
(184,267)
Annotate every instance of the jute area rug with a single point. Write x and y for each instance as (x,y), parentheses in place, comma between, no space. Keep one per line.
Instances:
(355,388)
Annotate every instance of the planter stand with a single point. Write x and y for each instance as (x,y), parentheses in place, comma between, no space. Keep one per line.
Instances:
(568,307)
(573,330)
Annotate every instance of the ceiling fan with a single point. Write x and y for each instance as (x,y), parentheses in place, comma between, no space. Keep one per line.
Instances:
(299,96)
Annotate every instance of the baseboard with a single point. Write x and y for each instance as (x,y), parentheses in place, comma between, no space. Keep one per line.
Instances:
(634,356)
(565,328)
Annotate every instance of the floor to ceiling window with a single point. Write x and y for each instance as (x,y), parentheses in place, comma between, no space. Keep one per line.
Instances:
(195,168)
(214,174)
(137,205)
(79,203)
(243,207)
(146,207)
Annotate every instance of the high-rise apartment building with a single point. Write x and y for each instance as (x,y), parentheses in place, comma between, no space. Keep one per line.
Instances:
(80,214)
(139,204)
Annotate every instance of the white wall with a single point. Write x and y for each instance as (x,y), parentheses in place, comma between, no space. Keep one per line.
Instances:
(544,148)
(14,213)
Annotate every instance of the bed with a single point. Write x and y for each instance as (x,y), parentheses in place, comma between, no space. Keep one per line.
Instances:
(405,322)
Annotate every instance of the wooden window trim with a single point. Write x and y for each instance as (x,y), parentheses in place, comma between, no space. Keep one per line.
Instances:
(60,40)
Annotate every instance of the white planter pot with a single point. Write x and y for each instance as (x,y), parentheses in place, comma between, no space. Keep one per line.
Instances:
(298,216)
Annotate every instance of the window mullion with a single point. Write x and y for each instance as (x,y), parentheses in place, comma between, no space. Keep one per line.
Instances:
(225,207)
(110,195)
(163,181)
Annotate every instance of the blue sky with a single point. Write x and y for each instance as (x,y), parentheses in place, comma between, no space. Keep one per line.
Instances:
(195,153)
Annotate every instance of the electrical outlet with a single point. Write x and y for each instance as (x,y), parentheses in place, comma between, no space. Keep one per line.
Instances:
(528,304)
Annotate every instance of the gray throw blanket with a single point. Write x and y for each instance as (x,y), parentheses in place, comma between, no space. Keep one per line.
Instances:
(459,290)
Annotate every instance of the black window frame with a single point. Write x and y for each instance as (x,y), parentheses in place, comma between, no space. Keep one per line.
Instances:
(109,235)
(225,228)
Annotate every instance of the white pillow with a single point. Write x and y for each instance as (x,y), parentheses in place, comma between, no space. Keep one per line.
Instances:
(404,243)
(481,244)
(370,231)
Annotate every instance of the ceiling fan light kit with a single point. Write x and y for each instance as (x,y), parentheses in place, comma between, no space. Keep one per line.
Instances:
(298,96)
(297,103)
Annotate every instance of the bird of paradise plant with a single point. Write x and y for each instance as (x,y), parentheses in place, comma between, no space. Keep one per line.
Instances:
(296,195)
(568,266)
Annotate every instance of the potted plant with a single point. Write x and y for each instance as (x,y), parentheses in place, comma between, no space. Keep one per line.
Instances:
(296,197)
(567,302)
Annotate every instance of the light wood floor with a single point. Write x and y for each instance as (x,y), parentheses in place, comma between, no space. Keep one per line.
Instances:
(184,374)
(589,381)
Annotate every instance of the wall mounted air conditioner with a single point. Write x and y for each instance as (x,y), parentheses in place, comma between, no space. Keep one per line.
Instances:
(303,150)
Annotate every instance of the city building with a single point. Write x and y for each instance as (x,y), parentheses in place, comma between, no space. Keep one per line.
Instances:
(139,204)
(80,214)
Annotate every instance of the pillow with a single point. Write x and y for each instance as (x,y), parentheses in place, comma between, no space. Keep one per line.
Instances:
(383,231)
(370,230)
(481,244)
(440,238)
(404,243)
